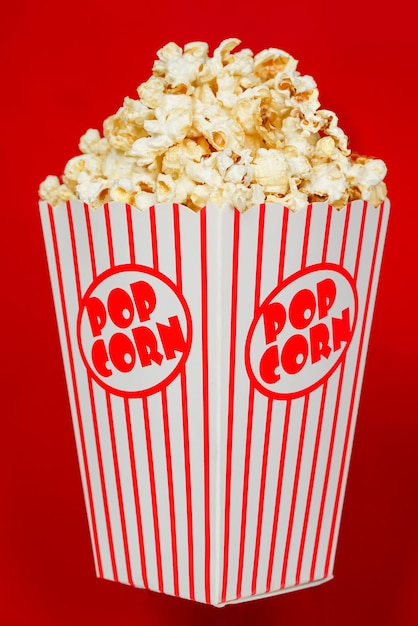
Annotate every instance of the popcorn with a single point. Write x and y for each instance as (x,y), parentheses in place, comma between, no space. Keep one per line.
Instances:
(233,128)
(272,171)
(123,190)
(91,142)
(55,191)
(49,189)
(327,181)
(94,191)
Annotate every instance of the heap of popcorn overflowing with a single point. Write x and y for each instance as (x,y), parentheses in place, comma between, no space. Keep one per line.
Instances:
(235,127)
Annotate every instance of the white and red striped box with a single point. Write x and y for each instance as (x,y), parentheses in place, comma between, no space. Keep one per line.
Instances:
(214,363)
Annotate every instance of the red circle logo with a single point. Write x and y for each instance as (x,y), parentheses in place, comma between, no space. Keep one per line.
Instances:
(134,330)
(302,331)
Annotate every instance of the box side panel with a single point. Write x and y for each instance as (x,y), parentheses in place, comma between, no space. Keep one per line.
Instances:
(139,502)
(289,455)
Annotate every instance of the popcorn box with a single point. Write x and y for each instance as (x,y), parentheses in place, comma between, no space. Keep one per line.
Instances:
(214,363)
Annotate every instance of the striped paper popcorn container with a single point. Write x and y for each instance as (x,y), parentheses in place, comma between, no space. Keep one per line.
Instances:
(214,362)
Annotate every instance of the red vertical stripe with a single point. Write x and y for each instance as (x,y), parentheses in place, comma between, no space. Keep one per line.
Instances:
(153,495)
(169,468)
(131,240)
(283,244)
(306,235)
(278,496)
(326,234)
(177,245)
(231,397)
(74,386)
(262,495)
(356,380)
(189,506)
(257,288)
(259,256)
(205,398)
(119,488)
(74,251)
(185,416)
(153,227)
(109,235)
(90,239)
(311,483)
(134,474)
(295,491)
(345,233)
(360,241)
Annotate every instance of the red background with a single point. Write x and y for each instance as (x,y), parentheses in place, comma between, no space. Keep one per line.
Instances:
(65,67)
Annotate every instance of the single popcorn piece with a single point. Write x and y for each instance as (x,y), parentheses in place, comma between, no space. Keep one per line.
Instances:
(49,189)
(271,171)
(233,128)
(92,143)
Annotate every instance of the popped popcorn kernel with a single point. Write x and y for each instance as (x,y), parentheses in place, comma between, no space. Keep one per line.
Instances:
(271,171)
(235,127)
(92,143)
(49,189)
